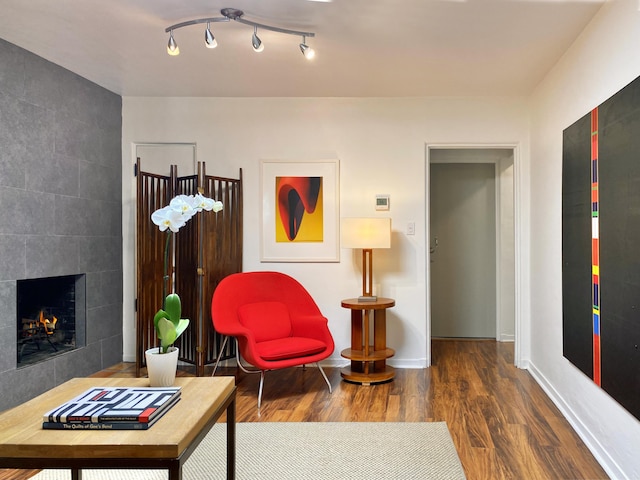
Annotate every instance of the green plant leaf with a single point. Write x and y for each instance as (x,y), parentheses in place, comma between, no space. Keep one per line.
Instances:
(167,333)
(168,324)
(182,326)
(173,308)
(159,314)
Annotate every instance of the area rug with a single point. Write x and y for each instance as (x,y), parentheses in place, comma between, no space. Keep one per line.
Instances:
(312,451)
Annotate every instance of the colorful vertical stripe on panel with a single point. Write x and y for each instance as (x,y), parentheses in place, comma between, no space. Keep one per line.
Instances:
(595,247)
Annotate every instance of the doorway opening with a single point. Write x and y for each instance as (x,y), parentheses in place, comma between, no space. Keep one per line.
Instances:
(471,230)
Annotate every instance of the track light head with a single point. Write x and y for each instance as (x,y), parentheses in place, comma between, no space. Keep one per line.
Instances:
(209,39)
(256,42)
(172,46)
(306,50)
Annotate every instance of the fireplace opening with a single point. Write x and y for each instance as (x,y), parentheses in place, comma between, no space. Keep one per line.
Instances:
(51,315)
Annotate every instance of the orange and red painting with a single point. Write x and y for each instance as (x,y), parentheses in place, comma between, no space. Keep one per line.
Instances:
(299,212)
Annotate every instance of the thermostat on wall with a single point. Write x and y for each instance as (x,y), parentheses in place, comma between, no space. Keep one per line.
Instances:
(382,202)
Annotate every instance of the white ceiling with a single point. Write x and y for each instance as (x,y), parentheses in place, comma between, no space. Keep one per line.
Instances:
(364,48)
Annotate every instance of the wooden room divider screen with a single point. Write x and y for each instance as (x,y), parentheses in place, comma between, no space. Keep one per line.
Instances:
(207,249)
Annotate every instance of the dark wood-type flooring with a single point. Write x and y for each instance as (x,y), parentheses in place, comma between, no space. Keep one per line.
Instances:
(502,423)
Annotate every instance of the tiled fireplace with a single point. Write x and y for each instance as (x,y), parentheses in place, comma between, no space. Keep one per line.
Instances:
(60,219)
(51,317)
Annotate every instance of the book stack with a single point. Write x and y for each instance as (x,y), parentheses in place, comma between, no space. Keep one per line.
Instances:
(113,408)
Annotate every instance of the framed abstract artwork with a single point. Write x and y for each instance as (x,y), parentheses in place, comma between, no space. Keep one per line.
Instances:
(600,238)
(300,211)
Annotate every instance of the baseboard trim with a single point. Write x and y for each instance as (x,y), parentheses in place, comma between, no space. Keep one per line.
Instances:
(129,358)
(590,440)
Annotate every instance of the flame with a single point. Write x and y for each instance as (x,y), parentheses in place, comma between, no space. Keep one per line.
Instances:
(49,325)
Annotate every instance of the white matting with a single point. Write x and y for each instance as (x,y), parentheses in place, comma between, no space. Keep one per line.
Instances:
(312,451)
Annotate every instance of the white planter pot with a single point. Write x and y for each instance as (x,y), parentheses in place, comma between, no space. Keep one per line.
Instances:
(161,367)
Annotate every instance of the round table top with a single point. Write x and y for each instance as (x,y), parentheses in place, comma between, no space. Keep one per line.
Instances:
(379,303)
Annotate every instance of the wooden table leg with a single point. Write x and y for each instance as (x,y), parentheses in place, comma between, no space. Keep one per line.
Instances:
(76,474)
(380,337)
(356,338)
(175,471)
(366,315)
(231,440)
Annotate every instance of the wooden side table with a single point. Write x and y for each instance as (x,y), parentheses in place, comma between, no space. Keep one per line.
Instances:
(368,362)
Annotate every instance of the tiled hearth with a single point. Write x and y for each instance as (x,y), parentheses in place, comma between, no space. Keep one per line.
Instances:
(61,215)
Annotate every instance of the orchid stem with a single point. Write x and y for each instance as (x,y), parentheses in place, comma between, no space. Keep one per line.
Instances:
(165,279)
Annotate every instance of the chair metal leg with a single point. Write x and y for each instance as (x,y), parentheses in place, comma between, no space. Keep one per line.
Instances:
(260,389)
(247,370)
(242,367)
(324,376)
(262,373)
(222,347)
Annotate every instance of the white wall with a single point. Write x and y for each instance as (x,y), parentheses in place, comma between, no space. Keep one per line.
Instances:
(602,61)
(381,147)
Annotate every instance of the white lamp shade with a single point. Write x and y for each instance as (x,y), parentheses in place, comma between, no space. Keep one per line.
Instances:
(365,232)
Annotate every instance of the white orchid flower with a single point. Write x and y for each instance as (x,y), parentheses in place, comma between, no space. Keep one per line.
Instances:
(180,210)
(183,204)
(200,202)
(167,217)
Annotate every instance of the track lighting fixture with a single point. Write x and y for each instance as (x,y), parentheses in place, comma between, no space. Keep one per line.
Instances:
(229,14)
(306,50)
(209,39)
(172,46)
(256,42)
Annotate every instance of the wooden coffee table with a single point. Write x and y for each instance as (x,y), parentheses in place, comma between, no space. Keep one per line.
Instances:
(166,445)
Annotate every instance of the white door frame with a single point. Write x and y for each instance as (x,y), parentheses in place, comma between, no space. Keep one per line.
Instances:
(518,238)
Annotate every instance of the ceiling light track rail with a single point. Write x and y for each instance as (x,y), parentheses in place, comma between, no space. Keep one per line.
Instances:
(234,14)
(286,31)
(196,22)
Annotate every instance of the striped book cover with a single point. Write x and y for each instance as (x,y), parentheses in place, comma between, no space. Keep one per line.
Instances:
(114,404)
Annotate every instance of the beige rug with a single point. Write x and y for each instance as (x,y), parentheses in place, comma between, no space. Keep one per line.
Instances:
(313,451)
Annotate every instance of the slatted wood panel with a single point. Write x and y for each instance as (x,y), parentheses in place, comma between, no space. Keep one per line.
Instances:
(187,263)
(222,248)
(152,192)
(207,248)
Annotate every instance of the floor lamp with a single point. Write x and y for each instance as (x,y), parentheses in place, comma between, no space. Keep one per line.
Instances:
(367,234)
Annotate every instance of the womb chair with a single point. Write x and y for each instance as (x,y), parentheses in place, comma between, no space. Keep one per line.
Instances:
(274,320)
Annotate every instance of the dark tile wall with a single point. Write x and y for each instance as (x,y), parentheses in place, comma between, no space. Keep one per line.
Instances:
(60,210)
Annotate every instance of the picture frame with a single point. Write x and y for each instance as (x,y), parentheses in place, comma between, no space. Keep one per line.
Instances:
(300,218)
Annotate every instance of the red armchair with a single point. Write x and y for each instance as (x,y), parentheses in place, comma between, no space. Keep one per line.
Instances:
(274,320)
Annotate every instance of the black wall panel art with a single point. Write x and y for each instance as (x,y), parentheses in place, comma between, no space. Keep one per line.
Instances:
(601,246)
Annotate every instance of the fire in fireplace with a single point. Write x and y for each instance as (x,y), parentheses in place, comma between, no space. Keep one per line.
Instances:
(48,313)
